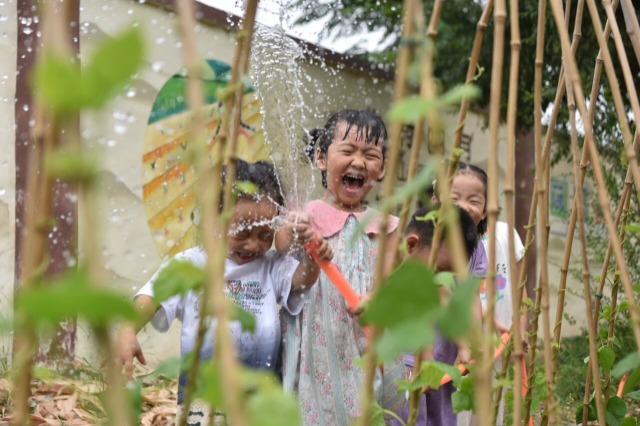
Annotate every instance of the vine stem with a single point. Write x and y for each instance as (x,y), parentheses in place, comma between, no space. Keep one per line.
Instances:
(215,224)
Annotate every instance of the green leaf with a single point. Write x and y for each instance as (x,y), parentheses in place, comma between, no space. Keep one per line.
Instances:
(615,411)
(628,363)
(606,358)
(635,395)
(632,381)
(432,372)
(407,336)
(446,279)
(456,318)
(246,187)
(178,277)
(409,293)
(592,413)
(462,398)
(246,319)
(629,421)
(72,295)
(113,63)
(61,85)
(71,166)
(267,405)
(169,369)
(632,228)
(410,109)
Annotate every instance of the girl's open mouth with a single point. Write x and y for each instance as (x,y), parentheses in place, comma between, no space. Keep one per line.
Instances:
(352,183)
(245,256)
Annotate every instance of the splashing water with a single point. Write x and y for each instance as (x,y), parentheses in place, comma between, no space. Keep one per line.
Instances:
(278,80)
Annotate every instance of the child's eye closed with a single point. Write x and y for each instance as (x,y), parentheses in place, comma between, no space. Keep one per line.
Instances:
(266,236)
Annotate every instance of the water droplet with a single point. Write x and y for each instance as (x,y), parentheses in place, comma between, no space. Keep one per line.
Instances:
(25,107)
(120,128)
(131,92)
(111,143)
(2,191)
(159,40)
(157,65)
(3,18)
(27,30)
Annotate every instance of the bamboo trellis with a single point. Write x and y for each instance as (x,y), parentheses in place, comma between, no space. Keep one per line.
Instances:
(569,82)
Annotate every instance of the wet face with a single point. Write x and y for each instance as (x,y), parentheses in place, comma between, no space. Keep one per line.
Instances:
(353,166)
(467,191)
(251,230)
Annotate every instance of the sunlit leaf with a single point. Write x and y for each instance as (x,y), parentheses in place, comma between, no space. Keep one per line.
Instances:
(178,277)
(632,228)
(628,363)
(455,320)
(629,421)
(462,398)
(409,293)
(73,295)
(432,372)
(606,358)
(272,403)
(113,63)
(410,109)
(446,279)
(246,187)
(407,336)
(169,368)
(71,166)
(246,319)
(632,380)
(615,411)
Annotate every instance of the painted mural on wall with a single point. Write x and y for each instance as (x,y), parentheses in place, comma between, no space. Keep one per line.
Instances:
(168,180)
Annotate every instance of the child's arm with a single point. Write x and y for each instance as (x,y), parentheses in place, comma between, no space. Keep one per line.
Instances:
(127,347)
(297,231)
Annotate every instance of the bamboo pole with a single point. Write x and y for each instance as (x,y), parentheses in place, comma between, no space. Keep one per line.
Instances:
(602,195)
(613,80)
(564,269)
(633,28)
(586,282)
(518,352)
(209,186)
(400,90)
(537,130)
(483,384)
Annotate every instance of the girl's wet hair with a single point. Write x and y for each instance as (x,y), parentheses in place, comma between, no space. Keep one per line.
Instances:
(368,125)
(481,175)
(424,228)
(264,179)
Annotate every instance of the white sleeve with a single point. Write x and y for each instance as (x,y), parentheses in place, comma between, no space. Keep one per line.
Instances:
(282,269)
(169,310)
(517,244)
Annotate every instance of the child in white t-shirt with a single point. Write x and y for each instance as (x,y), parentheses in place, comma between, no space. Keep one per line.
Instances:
(258,279)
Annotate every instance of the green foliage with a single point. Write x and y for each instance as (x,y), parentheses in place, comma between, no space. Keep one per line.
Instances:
(65,88)
(615,411)
(606,358)
(455,320)
(72,166)
(411,109)
(633,228)
(70,295)
(462,398)
(628,363)
(167,369)
(408,293)
(264,397)
(178,277)
(407,336)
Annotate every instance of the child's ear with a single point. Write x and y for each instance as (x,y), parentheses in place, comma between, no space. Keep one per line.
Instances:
(383,170)
(413,242)
(434,199)
(321,160)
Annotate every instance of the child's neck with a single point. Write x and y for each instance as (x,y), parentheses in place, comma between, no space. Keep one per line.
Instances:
(331,200)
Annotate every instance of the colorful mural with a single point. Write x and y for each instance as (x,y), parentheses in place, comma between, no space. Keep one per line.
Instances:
(167,178)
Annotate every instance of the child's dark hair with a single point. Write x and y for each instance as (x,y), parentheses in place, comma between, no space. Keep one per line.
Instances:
(424,228)
(481,175)
(369,126)
(263,176)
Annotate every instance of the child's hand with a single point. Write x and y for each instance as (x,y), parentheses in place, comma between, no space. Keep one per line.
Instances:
(364,300)
(295,231)
(320,246)
(128,348)
(464,355)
